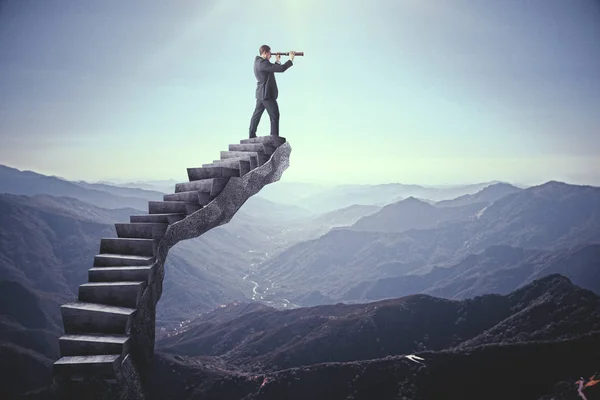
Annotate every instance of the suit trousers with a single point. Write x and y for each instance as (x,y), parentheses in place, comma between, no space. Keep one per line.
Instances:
(272,108)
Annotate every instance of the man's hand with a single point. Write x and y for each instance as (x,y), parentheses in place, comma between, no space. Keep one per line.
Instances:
(277,58)
(292,54)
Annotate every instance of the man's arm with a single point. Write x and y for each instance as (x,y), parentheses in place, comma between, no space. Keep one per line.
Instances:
(266,66)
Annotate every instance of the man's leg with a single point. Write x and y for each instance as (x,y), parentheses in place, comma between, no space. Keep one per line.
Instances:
(273,110)
(258,110)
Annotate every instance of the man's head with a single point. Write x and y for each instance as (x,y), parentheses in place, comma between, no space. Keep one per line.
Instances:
(265,51)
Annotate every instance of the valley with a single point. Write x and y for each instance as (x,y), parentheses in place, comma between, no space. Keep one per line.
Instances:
(281,285)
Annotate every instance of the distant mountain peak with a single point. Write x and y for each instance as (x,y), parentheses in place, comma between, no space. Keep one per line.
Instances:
(413,200)
(556,188)
(552,184)
(555,278)
(556,183)
(545,285)
(499,185)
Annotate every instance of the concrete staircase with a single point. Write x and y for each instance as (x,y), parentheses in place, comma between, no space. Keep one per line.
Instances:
(101,326)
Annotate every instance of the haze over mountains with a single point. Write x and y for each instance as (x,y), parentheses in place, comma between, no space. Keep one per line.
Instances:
(321,199)
(163,185)
(30,183)
(307,245)
(553,217)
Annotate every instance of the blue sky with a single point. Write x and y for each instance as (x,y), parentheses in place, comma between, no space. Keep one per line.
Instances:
(427,92)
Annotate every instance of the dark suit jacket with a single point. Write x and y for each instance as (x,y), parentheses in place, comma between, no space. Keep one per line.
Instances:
(266,85)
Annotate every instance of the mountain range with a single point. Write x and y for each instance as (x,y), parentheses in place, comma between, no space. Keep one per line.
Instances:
(47,246)
(473,279)
(488,194)
(531,344)
(31,183)
(322,199)
(266,339)
(553,217)
(546,370)
(498,269)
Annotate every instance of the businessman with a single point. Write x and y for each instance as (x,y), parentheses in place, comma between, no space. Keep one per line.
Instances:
(266,88)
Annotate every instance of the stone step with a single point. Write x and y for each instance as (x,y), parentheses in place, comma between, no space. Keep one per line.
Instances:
(121,274)
(115,260)
(98,365)
(251,161)
(129,246)
(165,207)
(90,345)
(82,317)
(201,185)
(203,198)
(188,197)
(141,230)
(213,186)
(120,294)
(166,218)
(273,140)
(195,174)
(242,165)
(259,157)
(268,149)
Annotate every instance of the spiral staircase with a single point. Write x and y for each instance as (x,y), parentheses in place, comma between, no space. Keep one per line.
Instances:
(108,345)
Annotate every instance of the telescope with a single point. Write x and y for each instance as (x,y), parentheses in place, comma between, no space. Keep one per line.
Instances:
(297,53)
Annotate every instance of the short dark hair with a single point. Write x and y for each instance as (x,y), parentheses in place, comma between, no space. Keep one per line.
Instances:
(263,49)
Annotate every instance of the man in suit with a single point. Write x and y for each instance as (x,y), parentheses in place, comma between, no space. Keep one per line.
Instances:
(266,88)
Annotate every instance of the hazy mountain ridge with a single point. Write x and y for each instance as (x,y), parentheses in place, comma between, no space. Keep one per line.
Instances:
(126,191)
(272,211)
(30,183)
(488,194)
(323,199)
(498,269)
(162,185)
(46,250)
(71,207)
(546,217)
(205,273)
(412,213)
(345,216)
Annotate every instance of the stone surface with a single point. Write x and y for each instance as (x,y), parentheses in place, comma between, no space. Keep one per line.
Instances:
(131,246)
(93,344)
(81,317)
(141,230)
(195,174)
(120,274)
(126,383)
(273,140)
(113,260)
(162,207)
(120,294)
(257,147)
(139,323)
(167,218)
